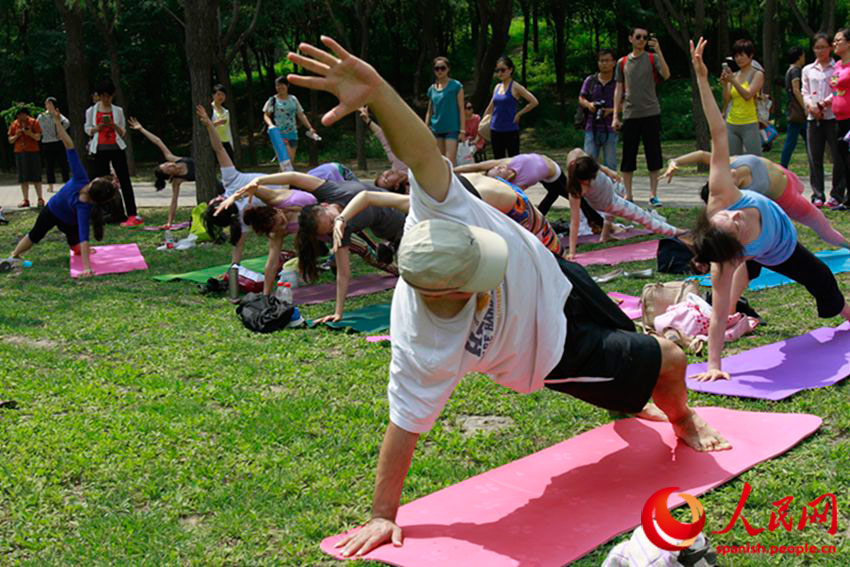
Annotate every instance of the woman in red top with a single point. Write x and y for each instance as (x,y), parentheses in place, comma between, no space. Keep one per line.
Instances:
(25,133)
(471,121)
(841,98)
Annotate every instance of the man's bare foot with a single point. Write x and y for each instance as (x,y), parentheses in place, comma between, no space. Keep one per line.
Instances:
(698,434)
(651,412)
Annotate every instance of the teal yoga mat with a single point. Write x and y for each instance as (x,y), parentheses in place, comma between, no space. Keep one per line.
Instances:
(370,319)
(201,276)
(838,261)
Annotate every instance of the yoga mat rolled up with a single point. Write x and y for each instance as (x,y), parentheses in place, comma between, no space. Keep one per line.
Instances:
(111,259)
(370,319)
(838,261)
(778,370)
(618,254)
(558,504)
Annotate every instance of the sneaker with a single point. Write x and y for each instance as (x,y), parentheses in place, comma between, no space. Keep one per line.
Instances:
(297,320)
(832,203)
(3,220)
(841,207)
(654,202)
(818,203)
(133,221)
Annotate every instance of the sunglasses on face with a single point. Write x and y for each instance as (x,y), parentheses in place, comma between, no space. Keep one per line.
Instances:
(469,108)
(639,37)
(440,67)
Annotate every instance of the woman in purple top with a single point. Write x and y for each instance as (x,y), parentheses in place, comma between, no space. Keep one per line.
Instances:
(502,110)
(74,206)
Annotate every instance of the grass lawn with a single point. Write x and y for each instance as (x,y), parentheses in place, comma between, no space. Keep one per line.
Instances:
(152,429)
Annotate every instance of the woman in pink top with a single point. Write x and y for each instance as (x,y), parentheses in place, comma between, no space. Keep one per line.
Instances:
(840,82)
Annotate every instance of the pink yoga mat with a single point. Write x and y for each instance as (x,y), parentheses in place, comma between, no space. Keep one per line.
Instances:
(594,238)
(362,285)
(619,254)
(554,506)
(775,371)
(630,304)
(111,259)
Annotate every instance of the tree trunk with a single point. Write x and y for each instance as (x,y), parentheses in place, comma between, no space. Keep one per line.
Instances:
(559,17)
(769,33)
(535,31)
(249,87)
(723,45)
(526,23)
(76,74)
(363,9)
(201,36)
(495,14)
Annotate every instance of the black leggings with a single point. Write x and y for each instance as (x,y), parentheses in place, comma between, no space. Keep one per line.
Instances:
(54,154)
(558,188)
(505,144)
(47,220)
(118,159)
(807,269)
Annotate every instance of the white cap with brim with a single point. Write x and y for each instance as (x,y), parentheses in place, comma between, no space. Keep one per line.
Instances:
(438,256)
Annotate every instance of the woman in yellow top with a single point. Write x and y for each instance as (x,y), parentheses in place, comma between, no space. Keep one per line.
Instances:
(742,89)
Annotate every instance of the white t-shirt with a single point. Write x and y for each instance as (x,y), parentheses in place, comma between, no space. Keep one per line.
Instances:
(516,340)
(233,180)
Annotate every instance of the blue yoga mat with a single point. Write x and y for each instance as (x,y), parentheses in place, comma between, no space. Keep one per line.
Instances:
(837,261)
(279,147)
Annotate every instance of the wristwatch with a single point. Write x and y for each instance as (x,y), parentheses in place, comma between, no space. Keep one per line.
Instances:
(340,217)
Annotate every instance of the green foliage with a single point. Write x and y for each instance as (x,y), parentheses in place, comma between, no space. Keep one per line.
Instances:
(10,113)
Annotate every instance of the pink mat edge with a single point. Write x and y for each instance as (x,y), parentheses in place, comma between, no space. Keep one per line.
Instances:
(817,423)
(75,272)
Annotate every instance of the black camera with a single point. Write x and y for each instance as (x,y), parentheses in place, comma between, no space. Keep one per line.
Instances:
(599,109)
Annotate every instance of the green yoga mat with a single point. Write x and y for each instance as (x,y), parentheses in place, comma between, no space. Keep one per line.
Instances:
(201,276)
(369,319)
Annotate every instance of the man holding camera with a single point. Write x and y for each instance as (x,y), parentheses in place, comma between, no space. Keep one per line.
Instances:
(637,74)
(597,99)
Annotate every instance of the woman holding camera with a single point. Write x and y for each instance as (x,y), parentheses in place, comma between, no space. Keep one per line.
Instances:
(740,90)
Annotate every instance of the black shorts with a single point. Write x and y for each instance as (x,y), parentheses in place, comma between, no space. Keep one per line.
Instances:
(808,270)
(47,220)
(605,362)
(29,166)
(647,129)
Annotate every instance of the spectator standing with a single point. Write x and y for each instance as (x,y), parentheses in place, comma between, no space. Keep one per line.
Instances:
(597,98)
(221,119)
(471,121)
(52,148)
(503,112)
(445,109)
(796,105)
(281,112)
(817,99)
(106,124)
(740,92)
(24,134)
(840,82)
(637,74)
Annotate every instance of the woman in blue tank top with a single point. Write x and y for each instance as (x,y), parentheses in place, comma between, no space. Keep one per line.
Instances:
(502,110)
(741,231)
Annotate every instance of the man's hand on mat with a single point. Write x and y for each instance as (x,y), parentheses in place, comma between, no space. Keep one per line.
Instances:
(672,168)
(376,532)
(353,81)
(711,375)
(329,319)
(699,435)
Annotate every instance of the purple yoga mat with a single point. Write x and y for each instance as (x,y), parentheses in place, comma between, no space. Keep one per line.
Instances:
(775,371)
(362,285)
(619,254)
(594,238)
(178,226)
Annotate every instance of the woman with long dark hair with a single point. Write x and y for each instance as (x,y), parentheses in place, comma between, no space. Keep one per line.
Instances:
(741,231)
(74,207)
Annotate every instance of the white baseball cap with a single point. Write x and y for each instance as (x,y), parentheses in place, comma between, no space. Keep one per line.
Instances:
(440,256)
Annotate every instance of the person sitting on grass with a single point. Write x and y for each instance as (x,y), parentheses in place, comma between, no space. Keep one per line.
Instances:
(478,293)
(780,185)
(74,207)
(174,169)
(601,188)
(740,231)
